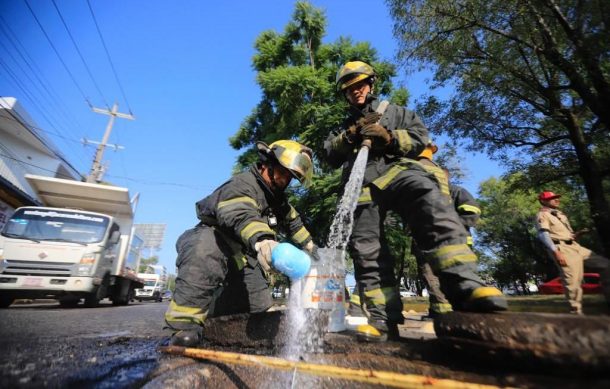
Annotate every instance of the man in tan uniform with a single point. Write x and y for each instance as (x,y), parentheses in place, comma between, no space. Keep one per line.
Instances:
(556,234)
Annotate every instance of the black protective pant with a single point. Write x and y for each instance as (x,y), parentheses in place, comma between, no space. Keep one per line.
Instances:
(211,282)
(414,194)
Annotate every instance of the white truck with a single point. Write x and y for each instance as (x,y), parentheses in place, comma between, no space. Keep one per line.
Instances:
(80,244)
(155,285)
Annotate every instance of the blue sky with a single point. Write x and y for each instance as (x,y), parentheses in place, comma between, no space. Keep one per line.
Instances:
(185,68)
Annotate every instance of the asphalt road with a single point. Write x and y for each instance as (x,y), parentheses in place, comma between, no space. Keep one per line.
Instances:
(44,345)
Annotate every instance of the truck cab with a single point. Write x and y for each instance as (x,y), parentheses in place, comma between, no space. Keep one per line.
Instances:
(153,289)
(75,246)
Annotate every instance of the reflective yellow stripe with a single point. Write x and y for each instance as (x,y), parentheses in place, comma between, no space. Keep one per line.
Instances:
(301,235)
(253,228)
(179,313)
(236,200)
(469,241)
(404,139)
(469,208)
(380,296)
(292,214)
(441,177)
(354,298)
(452,255)
(240,261)
(365,195)
(367,329)
(441,307)
(483,292)
(383,181)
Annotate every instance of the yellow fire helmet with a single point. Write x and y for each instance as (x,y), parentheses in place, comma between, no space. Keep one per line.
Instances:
(429,151)
(292,155)
(352,72)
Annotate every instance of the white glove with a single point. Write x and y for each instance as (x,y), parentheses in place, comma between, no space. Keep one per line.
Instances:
(263,252)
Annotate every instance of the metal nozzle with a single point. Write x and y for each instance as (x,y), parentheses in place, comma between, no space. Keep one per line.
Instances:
(366,143)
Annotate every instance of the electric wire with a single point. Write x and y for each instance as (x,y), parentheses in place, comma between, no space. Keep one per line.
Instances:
(37,72)
(116,77)
(42,95)
(35,102)
(58,55)
(55,172)
(17,117)
(80,54)
(140,181)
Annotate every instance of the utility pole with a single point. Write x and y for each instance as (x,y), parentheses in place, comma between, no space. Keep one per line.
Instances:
(97,169)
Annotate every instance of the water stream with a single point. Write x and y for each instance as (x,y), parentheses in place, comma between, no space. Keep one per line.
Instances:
(307,326)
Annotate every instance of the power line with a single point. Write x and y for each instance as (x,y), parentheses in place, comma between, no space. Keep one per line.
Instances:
(29,95)
(17,117)
(80,55)
(116,77)
(110,175)
(57,53)
(23,53)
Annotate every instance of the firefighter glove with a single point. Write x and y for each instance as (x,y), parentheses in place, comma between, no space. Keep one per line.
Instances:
(351,134)
(378,134)
(263,252)
(312,250)
(369,118)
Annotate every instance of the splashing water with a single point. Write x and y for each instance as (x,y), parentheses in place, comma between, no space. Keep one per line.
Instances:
(341,228)
(307,326)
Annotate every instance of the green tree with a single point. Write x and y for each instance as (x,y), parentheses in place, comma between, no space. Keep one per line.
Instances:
(508,247)
(506,234)
(144,262)
(532,84)
(296,73)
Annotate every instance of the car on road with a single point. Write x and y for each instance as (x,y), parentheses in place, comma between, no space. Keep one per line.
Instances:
(167,295)
(591,284)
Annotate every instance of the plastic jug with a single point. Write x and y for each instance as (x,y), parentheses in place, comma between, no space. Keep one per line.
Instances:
(324,287)
(290,260)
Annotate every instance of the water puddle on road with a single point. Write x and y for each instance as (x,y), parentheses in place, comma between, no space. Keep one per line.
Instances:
(120,363)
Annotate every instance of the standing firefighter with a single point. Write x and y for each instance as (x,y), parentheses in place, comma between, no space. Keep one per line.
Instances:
(223,261)
(394,181)
(468,211)
(555,232)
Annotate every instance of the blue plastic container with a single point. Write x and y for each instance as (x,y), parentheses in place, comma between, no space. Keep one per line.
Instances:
(290,260)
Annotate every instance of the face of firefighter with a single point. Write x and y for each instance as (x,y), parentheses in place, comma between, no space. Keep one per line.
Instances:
(280,179)
(356,94)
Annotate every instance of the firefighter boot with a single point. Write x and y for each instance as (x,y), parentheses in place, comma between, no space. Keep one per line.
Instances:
(485,299)
(186,338)
(377,331)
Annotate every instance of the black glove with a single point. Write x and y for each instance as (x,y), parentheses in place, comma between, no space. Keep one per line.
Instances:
(378,134)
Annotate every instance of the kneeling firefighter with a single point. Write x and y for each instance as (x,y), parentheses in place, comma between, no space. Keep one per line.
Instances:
(223,262)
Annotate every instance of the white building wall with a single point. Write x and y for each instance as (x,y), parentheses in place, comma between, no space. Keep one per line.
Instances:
(24,150)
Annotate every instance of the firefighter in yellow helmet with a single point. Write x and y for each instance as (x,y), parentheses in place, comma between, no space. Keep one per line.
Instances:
(467,209)
(395,181)
(224,260)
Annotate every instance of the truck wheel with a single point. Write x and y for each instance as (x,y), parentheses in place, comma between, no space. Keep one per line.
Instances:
(5,301)
(124,300)
(69,302)
(92,300)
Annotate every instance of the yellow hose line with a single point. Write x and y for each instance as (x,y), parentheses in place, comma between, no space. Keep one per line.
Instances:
(387,378)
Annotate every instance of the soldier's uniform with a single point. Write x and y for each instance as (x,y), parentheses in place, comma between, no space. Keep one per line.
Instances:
(393,181)
(578,258)
(218,272)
